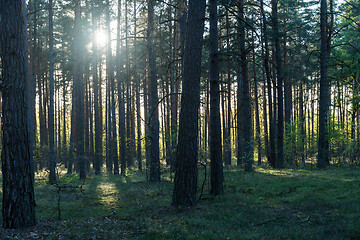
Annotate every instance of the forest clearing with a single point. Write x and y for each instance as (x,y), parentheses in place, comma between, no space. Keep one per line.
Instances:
(264,204)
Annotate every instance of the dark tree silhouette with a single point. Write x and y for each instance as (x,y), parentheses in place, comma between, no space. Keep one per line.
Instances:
(186,169)
(215,125)
(18,206)
(153,100)
(324,102)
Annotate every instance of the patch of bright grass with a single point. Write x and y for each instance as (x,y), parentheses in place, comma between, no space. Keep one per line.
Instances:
(265,204)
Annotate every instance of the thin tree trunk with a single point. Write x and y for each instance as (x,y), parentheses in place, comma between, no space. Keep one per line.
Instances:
(153,100)
(265,116)
(271,156)
(244,108)
(280,79)
(137,80)
(173,98)
(257,117)
(97,120)
(113,142)
(33,59)
(302,122)
(110,153)
(287,88)
(215,125)
(79,103)
(120,94)
(324,102)
(52,163)
(86,116)
(41,112)
(227,125)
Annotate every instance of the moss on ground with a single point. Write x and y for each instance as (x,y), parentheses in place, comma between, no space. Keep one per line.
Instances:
(265,204)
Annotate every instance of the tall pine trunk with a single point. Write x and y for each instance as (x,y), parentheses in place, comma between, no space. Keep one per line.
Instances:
(52,163)
(215,125)
(186,169)
(280,79)
(153,100)
(120,94)
(79,100)
(257,117)
(137,82)
(227,125)
(245,153)
(324,102)
(98,144)
(18,202)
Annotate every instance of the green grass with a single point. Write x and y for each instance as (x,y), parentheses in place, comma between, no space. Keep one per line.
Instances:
(265,204)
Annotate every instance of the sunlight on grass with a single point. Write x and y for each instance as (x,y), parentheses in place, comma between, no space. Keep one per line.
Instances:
(108,194)
(282,172)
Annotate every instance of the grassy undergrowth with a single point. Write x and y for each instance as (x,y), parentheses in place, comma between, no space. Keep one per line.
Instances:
(265,204)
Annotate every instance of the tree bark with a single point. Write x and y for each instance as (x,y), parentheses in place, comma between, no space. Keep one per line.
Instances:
(153,99)
(257,117)
(138,108)
(215,125)
(98,144)
(52,163)
(271,155)
(79,100)
(120,94)
(302,122)
(280,79)
(32,92)
(244,108)
(186,169)
(227,125)
(324,102)
(18,203)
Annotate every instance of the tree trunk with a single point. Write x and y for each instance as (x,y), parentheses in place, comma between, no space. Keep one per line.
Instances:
(302,122)
(186,169)
(138,108)
(280,78)
(18,203)
(287,88)
(40,92)
(324,102)
(227,125)
(173,100)
(79,100)
(215,125)
(98,144)
(257,117)
(120,94)
(153,100)
(271,156)
(32,92)
(52,163)
(244,108)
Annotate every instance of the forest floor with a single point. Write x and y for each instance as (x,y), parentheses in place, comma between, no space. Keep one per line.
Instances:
(265,204)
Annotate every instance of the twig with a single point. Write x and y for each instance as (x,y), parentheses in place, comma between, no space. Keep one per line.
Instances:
(305,220)
(61,187)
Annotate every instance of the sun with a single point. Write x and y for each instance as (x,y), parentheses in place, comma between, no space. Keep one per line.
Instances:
(100,37)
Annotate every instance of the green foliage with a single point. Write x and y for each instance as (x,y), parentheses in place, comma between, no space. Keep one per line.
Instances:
(294,147)
(41,154)
(343,149)
(265,204)
(338,142)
